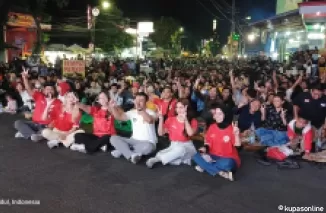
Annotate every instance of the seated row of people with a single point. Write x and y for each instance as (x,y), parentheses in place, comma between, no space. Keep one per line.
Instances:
(58,122)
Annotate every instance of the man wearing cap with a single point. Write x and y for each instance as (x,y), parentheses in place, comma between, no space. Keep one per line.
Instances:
(47,107)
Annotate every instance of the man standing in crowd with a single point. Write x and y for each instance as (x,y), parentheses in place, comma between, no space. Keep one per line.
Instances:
(143,140)
(46,109)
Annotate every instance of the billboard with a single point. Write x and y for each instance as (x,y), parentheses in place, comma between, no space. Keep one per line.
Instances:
(73,67)
(145,27)
(284,6)
(20,20)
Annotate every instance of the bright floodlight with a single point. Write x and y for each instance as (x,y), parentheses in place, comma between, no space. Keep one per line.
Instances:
(181,29)
(248,17)
(251,37)
(106,5)
(95,11)
(318,13)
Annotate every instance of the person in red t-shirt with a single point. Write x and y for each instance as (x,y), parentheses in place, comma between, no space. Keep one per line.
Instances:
(220,156)
(103,127)
(167,103)
(47,108)
(66,125)
(180,128)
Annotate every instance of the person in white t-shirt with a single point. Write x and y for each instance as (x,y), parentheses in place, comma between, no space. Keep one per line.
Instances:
(143,140)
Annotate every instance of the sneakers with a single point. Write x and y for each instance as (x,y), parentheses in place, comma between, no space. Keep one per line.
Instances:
(104,148)
(53,143)
(150,162)
(78,147)
(199,169)
(116,154)
(135,158)
(19,135)
(36,137)
(227,175)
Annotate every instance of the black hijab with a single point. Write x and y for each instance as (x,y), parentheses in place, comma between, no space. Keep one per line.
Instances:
(228,115)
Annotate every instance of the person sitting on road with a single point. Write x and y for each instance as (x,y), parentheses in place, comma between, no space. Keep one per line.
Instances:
(273,132)
(300,132)
(167,103)
(219,155)
(47,108)
(249,115)
(63,88)
(180,128)
(11,104)
(143,140)
(66,125)
(103,127)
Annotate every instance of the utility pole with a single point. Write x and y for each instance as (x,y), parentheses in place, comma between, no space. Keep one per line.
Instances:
(233,26)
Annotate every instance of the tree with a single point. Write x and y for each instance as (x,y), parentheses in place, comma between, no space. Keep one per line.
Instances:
(176,41)
(35,8)
(109,31)
(165,28)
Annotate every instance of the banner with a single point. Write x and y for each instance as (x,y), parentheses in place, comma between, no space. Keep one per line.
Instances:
(284,6)
(20,20)
(73,67)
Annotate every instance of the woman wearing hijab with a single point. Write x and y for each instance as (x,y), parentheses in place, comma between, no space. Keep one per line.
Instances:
(180,128)
(219,155)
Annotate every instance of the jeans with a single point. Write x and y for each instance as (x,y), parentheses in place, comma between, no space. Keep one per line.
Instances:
(28,128)
(218,164)
(270,137)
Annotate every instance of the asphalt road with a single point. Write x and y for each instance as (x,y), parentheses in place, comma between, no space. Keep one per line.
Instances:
(69,182)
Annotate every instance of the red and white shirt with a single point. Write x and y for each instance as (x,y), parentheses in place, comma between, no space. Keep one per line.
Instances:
(40,106)
(307,135)
(102,124)
(176,128)
(65,123)
(221,142)
(167,107)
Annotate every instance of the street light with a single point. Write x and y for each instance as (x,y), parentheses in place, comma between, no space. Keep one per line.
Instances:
(248,17)
(106,5)
(251,37)
(181,29)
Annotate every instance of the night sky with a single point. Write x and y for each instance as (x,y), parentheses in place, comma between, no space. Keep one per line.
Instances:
(196,20)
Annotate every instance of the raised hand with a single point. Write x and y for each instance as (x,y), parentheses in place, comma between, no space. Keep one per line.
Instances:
(112,104)
(236,130)
(263,109)
(25,72)
(184,114)
(159,112)
(283,113)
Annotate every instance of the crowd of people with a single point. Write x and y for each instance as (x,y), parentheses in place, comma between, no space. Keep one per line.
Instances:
(229,104)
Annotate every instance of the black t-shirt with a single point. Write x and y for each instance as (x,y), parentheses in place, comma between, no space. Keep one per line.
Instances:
(315,110)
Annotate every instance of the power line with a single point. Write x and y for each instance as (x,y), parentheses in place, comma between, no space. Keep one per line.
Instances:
(217,8)
(208,10)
